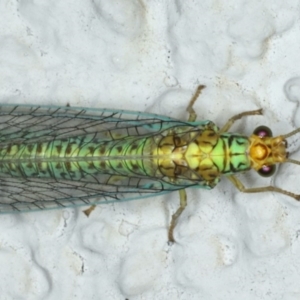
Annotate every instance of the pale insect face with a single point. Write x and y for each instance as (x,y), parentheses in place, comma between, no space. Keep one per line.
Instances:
(266,151)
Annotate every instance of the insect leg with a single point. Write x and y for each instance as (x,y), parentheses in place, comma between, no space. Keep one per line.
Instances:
(183,204)
(239,116)
(190,109)
(239,185)
(89,210)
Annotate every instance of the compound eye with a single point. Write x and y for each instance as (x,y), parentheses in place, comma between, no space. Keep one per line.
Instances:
(263,131)
(267,171)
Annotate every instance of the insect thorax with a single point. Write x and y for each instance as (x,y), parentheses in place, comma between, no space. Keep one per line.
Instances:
(202,154)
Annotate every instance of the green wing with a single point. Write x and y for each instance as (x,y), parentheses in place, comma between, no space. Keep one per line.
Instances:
(23,125)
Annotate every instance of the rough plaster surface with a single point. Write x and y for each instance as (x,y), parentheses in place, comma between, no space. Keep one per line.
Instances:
(150,56)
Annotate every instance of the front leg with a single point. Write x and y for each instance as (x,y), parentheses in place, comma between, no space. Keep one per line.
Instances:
(231,121)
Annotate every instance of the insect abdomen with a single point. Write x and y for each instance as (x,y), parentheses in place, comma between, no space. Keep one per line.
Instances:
(74,158)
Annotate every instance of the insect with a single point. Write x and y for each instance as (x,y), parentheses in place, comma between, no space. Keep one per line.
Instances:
(55,157)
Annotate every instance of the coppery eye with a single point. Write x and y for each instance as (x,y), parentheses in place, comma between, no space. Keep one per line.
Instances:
(263,131)
(267,171)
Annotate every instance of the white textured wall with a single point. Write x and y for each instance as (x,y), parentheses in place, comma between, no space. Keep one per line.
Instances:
(150,56)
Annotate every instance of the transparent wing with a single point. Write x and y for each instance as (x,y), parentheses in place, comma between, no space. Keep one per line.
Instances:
(34,194)
(33,124)
(30,124)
